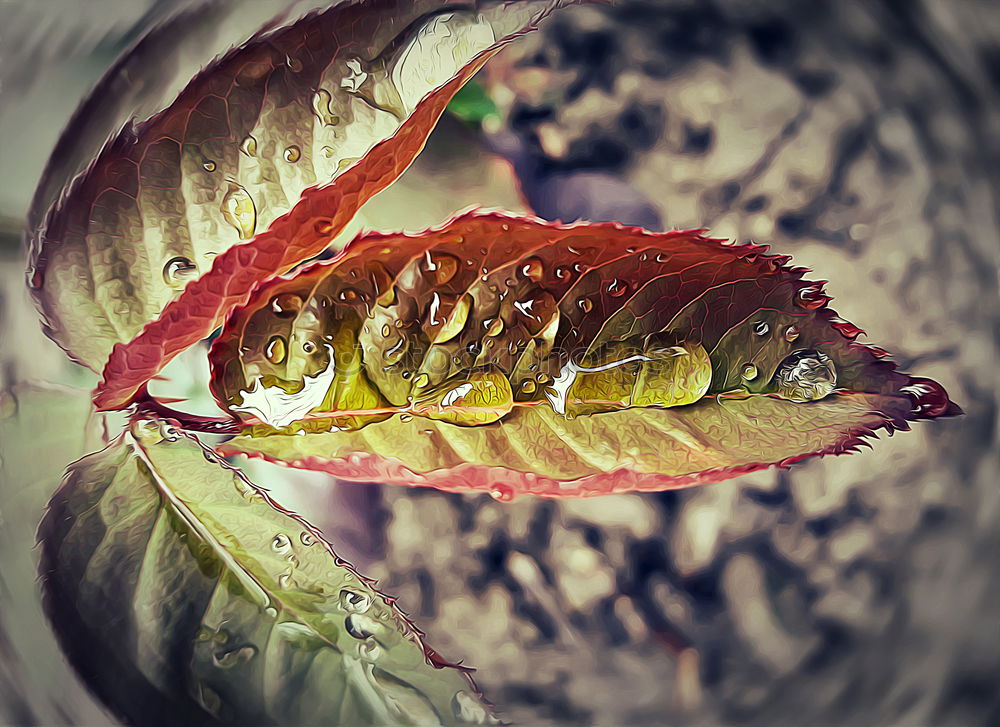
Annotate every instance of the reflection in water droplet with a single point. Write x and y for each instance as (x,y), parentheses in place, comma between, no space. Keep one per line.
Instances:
(805,376)
(286,305)
(532,269)
(321,108)
(791,333)
(586,304)
(292,154)
(249,146)
(749,372)
(276,350)
(231,657)
(760,328)
(178,271)
(354,601)
(239,211)
(208,165)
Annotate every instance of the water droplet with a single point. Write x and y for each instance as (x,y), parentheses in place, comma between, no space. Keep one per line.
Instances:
(286,305)
(811,297)
(370,650)
(791,333)
(294,64)
(239,211)
(474,348)
(441,268)
(468,709)
(760,328)
(309,347)
(386,330)
(321,107)
(271,612)
(348,295)
(327,151)
(502,493)
(532,269)
(231,657)
(249,146)
(586,304)
(178,271)
(421,381)
(280,543)
(617,288)
(929,397)
(749,372)
(354,601)
(276,350)
(562,272)
(286,581)
(292,154)
(394,354)
(357,627)
(208,165)
(543,378)
(493,326)
(805,376)
(528,386)
(307,538)
(406,417)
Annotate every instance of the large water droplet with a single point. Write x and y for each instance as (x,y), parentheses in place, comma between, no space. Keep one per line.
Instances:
(533,269)
(321,108)
(439,267)
(239,211)
(178,271)
(749,372)
(354,601)
(357,627)
(292,154)
(805,376)
(276,350)
(286,305)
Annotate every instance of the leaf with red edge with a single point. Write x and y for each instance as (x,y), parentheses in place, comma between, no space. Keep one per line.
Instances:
(158,230)
(584,358)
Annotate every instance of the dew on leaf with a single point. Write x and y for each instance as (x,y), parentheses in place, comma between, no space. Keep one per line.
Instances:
(761,328)
(280,543)
(232,657)
(249,146)
(178,271)
(791,334)
(749,372)
(239,211)
(286,305)
(805,376)
(292,154)
(354,601)
(276,350)
(321,108)
(533,269)
(208,165)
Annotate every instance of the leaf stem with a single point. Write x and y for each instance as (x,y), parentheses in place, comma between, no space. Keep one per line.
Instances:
(144,402)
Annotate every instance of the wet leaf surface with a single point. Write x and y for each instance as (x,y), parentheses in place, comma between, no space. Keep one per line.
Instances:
(558,359)
(183,594)
(273,121)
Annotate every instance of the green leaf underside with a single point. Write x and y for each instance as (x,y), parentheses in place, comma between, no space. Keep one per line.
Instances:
(535,451)
(183,594)
(291,108)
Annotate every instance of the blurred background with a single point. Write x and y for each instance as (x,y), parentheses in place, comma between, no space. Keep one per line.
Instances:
(859,137)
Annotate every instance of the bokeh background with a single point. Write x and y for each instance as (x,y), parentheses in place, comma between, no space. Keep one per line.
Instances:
(863,138)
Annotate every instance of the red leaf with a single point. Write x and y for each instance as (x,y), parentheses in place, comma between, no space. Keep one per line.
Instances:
(354,343)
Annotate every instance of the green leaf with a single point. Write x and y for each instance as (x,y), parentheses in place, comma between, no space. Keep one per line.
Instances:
(538,452)
(182,593)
